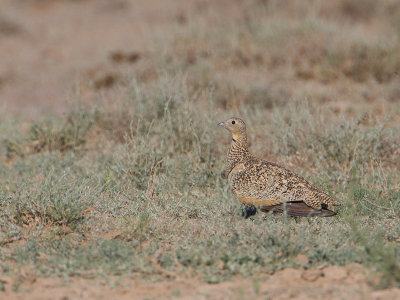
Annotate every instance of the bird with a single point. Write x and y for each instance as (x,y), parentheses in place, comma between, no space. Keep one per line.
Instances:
(264,185)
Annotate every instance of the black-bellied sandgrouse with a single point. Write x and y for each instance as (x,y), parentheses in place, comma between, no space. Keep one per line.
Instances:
(261,184)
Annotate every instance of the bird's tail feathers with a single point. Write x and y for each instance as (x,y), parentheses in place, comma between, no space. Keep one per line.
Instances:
(298,209)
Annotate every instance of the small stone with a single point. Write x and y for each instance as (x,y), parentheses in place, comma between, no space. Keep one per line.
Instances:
(312,274)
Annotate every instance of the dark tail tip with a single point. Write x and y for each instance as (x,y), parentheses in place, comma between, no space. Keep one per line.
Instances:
(298,209)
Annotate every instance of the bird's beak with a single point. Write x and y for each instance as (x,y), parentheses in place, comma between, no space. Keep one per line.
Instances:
(221,124)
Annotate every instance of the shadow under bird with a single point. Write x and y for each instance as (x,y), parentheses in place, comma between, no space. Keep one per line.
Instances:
(265,185)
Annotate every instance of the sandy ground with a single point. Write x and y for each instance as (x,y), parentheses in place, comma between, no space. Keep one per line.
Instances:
(330,282)
(49,46)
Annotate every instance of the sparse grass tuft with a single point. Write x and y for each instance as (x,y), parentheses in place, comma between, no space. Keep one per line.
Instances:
(55,195)
(53,134)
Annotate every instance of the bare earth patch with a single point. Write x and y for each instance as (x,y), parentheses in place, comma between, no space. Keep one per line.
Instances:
(330,282)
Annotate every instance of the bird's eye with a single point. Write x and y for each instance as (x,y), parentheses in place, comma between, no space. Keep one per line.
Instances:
(233,122)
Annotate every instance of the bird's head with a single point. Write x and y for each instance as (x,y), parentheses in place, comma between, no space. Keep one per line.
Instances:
(236,127)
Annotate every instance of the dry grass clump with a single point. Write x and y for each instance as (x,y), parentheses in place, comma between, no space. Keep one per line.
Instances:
(53,134)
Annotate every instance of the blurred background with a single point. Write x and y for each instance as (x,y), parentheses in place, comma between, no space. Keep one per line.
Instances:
(340,53)
(49,46)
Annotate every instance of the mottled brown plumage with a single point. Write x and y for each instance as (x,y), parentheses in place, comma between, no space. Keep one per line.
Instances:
(263,184)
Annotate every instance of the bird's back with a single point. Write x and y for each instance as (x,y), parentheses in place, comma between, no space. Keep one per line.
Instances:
(258,182)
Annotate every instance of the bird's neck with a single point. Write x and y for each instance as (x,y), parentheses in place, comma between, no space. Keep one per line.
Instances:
(237,152)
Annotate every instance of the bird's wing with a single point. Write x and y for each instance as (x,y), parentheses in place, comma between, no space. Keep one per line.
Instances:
(298,209)
(260,183)
(249,183)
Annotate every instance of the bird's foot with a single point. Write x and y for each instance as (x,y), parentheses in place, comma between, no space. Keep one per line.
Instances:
(248,211)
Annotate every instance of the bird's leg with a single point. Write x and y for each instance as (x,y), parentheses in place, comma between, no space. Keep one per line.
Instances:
(248,211)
